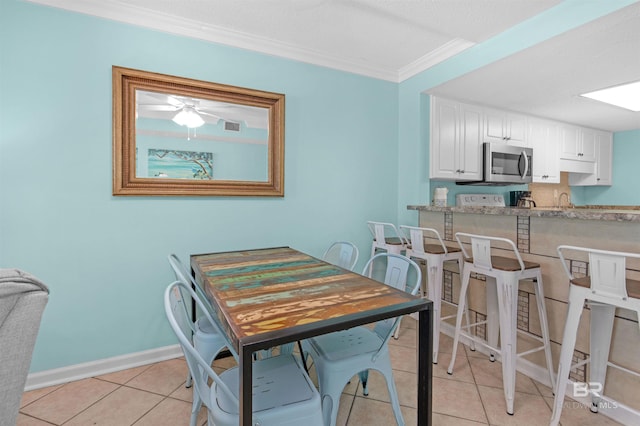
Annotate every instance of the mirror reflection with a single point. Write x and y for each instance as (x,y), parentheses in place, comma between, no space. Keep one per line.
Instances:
(182,137)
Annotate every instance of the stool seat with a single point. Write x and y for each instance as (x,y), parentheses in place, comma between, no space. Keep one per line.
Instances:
(386,237)
(392,240)
(633,286)
(508,264)
(438,249)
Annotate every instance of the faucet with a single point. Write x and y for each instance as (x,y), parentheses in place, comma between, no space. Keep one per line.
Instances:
(560,200)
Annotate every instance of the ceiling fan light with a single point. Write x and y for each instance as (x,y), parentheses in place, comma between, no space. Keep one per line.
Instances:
(188,117)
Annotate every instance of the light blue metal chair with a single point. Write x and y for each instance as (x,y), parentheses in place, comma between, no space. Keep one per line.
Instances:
(343,254)
(205,334)
(207,337)
(339,356)
(283,394)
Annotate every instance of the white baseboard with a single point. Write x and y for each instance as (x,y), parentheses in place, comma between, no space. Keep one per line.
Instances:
(75,372)
(610,408)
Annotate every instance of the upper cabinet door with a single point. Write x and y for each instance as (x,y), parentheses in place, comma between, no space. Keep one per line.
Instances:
(502,126)
(517,129)
(455,146)
(543,138)
(443,139)
(470,145)
(570,142)
(588,145)
(578,143)
(494,125)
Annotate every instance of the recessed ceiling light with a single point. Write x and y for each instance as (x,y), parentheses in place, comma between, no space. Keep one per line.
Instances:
(625,96)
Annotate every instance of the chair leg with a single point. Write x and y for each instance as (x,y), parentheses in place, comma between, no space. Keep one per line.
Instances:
(331,391)
(544,326)
(393,394)
(364,379)
(195,409)
(189,382)
(507,290)
(574,311)
(461,306)
(602,317)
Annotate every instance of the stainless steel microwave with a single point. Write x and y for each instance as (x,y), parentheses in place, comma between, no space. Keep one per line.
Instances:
(505,164)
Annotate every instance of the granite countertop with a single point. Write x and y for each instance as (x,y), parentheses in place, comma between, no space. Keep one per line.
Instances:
(605,213)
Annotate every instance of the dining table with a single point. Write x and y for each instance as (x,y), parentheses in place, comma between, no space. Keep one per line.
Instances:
(267,297)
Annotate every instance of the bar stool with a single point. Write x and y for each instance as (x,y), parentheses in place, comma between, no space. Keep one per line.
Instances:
(434,255)
(605,289)
(503,275)
(386,237)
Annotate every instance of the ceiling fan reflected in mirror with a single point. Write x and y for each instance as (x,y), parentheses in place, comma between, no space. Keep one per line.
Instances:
(195,112)
(182,110)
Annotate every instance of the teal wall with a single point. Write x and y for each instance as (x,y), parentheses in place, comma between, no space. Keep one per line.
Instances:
(356,150)
(104,257)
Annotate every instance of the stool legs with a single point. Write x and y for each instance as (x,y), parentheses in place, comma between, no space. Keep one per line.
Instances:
(544,327)
(601,328)
(508,301)
(462,302)
(574,310)
(502,314)
(434,282)
(493,318)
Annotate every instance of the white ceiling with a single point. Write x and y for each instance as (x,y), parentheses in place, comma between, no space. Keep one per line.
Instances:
(396,39)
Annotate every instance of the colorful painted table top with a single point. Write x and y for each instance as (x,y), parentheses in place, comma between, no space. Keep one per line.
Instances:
(261,291)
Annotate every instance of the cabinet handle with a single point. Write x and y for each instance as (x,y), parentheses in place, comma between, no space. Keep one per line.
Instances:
(598,179)
(461,171)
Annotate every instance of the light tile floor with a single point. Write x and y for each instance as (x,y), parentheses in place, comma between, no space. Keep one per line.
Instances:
(155,395)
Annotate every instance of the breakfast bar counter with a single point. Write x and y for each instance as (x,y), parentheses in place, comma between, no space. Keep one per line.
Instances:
(602,213)
(538,232)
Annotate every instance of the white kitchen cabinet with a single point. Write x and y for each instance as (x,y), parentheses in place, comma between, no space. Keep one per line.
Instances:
(603,142)
(455,140)
(502,126)
(578,143)
(543,138)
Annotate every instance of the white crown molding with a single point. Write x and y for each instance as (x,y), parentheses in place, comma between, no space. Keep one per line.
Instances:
(434,57)
(122,12)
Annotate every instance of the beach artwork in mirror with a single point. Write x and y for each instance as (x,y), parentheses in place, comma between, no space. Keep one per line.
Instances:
(178,136)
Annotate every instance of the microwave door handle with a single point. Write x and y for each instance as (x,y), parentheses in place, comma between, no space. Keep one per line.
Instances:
(526,164)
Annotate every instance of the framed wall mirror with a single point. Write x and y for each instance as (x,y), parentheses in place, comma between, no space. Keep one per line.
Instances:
(179,136)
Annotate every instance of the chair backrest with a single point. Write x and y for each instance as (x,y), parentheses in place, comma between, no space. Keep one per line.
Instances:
(181,275)
(396,275)
(481,249)
(201,371)
(343,254)
(380,231)
(607,270)
(416,236)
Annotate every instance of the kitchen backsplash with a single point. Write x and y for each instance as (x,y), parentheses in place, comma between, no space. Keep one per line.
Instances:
(547,194)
